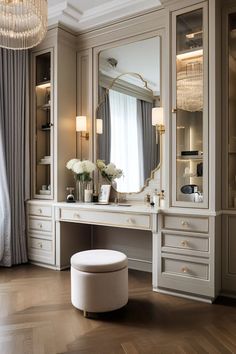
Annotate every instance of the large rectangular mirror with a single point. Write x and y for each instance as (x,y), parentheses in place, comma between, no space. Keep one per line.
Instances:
(129,87)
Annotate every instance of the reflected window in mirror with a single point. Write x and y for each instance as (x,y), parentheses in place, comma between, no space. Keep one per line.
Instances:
(126,101)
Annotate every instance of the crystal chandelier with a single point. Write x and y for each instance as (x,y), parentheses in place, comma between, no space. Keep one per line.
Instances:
(23,23)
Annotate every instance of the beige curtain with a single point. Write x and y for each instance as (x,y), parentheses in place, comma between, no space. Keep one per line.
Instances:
(14,144)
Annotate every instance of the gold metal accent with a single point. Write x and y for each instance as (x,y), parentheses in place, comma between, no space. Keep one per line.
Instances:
(184,243)
(174,110)
(184,223)
(184,270)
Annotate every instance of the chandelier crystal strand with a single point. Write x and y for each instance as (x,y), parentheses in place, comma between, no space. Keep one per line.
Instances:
(23,23)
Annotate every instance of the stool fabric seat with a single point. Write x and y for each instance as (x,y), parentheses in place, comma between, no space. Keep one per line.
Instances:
(99,261)
(99,280)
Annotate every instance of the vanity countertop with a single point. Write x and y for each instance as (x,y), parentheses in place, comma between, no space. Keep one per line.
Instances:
(129,207)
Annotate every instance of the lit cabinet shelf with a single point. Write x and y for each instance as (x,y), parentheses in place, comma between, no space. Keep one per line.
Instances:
(189,113)
(43,121)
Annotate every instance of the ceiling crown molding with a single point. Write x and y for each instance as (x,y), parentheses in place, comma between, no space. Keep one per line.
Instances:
(64,8)
(76,19)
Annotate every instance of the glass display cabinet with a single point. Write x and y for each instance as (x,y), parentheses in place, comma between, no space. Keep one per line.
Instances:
(231,110)
(189,112)
(43,126)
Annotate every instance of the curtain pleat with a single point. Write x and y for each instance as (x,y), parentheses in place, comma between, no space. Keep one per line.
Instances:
(150,148)
(14,119)
(104,140)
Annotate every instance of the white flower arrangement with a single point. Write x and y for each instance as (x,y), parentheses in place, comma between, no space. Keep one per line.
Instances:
(109,171)
(81,169)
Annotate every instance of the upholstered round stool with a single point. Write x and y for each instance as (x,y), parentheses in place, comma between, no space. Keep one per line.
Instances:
(99,280)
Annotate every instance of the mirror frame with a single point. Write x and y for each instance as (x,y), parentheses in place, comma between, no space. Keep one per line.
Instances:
(163,95)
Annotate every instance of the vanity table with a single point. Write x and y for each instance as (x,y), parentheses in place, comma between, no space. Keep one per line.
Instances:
(56,231)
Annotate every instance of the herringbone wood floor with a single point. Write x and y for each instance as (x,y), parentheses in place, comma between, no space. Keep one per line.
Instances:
(36,317)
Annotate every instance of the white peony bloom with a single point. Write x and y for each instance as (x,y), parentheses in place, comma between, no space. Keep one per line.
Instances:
(70,163)
(77,167)
(101,165)
(110,169)
(88,166)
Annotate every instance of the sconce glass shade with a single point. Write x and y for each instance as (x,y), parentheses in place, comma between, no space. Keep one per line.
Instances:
(99,126)
(81,124)
(23,23)
(157,116)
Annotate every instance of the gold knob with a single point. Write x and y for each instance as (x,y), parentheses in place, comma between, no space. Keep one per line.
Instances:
(174,110)
(40,244)
(40,210)
(76,215)
(184,270)
(184,223)
(40,225)
(130,221)
(184,243)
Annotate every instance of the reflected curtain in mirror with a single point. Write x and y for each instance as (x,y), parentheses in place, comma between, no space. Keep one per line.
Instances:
(104,140)
(148,139)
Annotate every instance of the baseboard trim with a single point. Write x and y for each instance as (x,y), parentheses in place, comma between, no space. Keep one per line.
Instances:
(139,264)
(185,296)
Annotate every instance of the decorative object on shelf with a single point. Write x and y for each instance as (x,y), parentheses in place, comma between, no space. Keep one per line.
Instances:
(81,170)
(162,199)
(157,121)
(70,198)
(88,195)
(110,172)
(189,189)
(23,24)
(190,83)
(200,169)
(46,160)
(104,194)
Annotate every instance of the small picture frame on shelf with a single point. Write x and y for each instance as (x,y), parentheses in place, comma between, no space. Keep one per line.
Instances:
(104,194)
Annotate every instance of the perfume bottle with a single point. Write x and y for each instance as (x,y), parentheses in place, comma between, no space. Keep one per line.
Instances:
(162,199)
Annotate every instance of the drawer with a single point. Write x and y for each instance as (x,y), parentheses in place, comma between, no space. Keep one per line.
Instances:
(185,242)
(39,224)
(40,250)
(40,244)
(129,220)
(185,268)
(186,223)
(40,210)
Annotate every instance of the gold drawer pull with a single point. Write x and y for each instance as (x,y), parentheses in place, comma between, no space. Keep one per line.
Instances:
(76,215)
(184,243)
(184,270)
(40,211)
(184,223)
(40,244)
(130,221)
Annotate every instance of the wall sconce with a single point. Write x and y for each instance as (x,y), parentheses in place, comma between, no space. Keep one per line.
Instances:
(157,121)
(99,126)
(81,126)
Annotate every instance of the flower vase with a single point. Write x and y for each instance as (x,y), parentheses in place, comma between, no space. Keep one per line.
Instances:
(113,192)
(79,188)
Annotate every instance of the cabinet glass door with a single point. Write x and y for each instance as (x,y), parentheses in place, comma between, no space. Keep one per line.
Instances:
(43,127)
(232,112)
(189,112)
